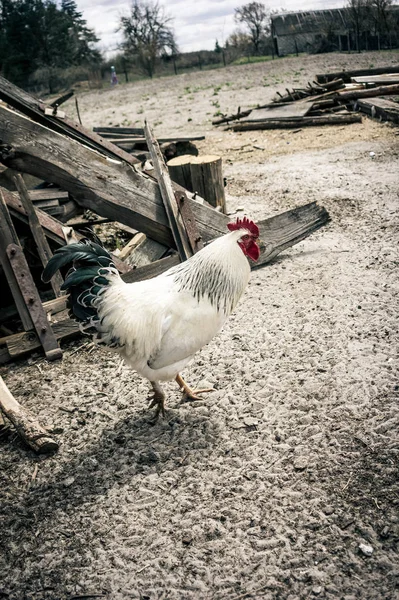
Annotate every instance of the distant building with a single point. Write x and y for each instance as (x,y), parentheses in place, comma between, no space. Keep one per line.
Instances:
(327,30)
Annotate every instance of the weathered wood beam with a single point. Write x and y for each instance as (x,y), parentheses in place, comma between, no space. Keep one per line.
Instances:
(383,90)
(61,99)
(53,228)
(111,189)
(179,233)
(380,108)
(8,236)
(33,108)
(42,244)
(294,123)
(347,75)
(116,191)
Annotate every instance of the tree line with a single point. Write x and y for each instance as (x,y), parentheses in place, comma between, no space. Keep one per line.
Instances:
(41,41)
(40,37)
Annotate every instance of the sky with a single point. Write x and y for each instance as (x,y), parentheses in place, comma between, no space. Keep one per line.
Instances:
(197,24)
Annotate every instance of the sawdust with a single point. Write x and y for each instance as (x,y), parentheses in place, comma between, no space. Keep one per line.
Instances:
(277,484)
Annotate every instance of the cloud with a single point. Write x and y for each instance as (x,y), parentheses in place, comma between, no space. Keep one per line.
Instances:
(197,24)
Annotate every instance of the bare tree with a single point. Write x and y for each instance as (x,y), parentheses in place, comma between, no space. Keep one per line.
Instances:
(256,17)
(358,16)
(382,18)
(147,34)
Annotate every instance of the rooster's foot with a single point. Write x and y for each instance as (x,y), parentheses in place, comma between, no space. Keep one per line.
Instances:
(158,400)
(188,393)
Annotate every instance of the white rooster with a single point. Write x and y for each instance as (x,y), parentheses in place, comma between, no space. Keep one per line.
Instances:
(159,324)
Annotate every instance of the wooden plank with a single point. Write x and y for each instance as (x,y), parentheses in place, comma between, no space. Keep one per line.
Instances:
(162,139)
(177,226)
(53,228)
(23,343)
(381,108)
(112,190)
(152,270)
(46,204)
(30,106)
(146,253)
(48,194)
(347,75)
(33,302)
(61,99)
(293,124)
(287,111)
(136,240)
(9,236)
(371,93)
(42,244)
(119,130)
(383,79)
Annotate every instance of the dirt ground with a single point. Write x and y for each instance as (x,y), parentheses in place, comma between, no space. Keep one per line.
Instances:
(281,484)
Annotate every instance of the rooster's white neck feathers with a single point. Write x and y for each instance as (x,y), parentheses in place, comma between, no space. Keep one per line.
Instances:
(222,274)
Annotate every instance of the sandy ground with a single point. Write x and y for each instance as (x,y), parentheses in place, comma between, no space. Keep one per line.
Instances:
(281,484)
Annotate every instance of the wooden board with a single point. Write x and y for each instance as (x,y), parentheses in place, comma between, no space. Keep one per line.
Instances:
(347,75)
(285,111)
(382,108)
(33,108)
(51,226)
(111,189)
(384,79)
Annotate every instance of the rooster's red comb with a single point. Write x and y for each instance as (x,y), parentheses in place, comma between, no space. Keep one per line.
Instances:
(244,224)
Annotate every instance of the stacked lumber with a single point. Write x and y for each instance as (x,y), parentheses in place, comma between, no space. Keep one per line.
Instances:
(160,221)
(332,99)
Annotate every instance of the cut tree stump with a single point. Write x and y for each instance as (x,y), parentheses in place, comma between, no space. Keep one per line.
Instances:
(179,170)
(25,424)
(207,179)
(200,174)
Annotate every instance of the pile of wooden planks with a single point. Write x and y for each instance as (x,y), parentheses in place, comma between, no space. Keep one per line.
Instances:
(332,99)
(133,140)
(162,222)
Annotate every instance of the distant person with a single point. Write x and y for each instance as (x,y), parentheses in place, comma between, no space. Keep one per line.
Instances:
(114,79)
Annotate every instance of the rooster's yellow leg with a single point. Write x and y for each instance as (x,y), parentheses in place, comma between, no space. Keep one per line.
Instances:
(190,394)
(157,399)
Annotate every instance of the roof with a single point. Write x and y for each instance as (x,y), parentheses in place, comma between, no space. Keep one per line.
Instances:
(309,21)
(312,21)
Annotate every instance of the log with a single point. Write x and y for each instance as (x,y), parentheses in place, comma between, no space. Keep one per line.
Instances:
(384,90)
(25,424)
(207,179)
(42,244)
(347,75)
(179,170)
(294,124)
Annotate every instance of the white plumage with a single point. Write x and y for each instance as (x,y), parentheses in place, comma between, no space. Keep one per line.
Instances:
(159,324)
